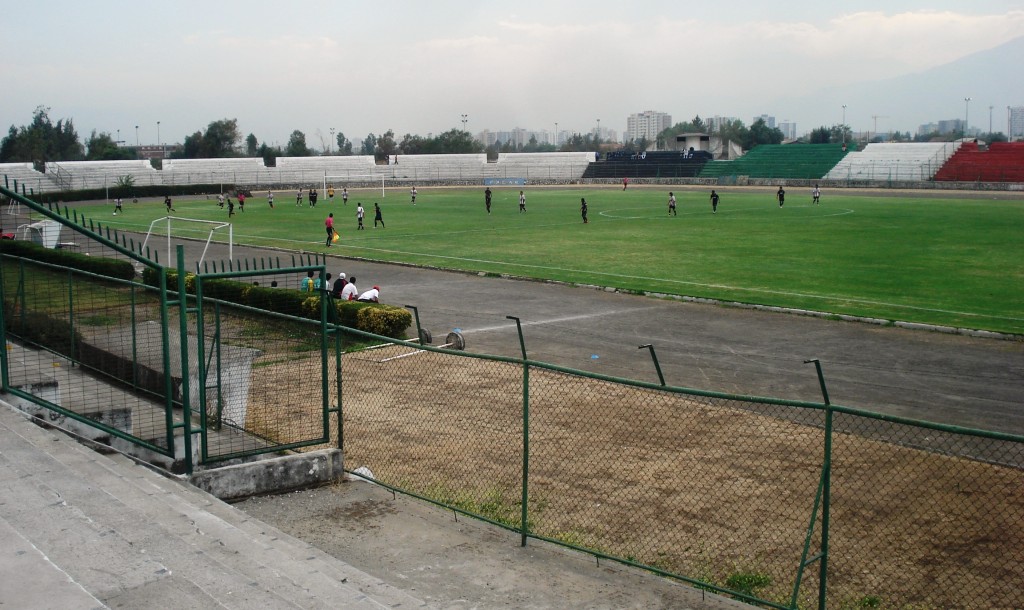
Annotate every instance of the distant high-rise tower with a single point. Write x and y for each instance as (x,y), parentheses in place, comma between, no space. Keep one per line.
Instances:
(1016,126)
(647,124)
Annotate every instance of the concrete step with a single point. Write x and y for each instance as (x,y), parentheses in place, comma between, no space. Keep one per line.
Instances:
(118,534)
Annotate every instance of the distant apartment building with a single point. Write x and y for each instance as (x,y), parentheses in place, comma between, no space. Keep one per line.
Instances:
(788,130)
(714,124)
(768,120)
(943,128)
(1015,128)
(647,124)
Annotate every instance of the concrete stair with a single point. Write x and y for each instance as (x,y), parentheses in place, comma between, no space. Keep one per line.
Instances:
(87,530)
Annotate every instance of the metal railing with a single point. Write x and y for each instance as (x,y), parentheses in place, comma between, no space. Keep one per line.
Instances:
(782,503)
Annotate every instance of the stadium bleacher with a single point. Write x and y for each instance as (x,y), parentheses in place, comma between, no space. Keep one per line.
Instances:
(649,164)
(311,170)
(543,166)
(894,161)
(792,161)
(77,175)
(27,178)
(904,162)
(1002,162)
(437,167)
(245,170)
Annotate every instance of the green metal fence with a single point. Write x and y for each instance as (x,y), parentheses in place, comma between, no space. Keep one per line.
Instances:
(783,503)
(121,361)
(754,497)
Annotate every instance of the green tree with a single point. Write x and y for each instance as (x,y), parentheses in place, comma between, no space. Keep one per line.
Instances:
(251,145)
(734,131)
(344,145)
(102,147)
(457,141)
(297,145)
(192,147)
(386,145)
(760,133)
(42,141)
(821,135)
(413,145)
(220,139)
(840,133)
(269,154)
(369,145)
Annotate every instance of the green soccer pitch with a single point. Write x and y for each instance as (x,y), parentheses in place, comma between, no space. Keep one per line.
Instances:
(894,255)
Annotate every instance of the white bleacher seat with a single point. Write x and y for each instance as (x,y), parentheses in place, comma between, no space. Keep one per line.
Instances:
(894,161)
(26,177)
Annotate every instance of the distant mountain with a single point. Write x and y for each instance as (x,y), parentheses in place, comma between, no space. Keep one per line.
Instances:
(989,78)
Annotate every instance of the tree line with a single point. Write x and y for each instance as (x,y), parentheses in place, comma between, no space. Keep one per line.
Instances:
(43,140)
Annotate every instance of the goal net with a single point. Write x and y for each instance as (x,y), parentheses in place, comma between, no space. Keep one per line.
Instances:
(173,227)
(351,182)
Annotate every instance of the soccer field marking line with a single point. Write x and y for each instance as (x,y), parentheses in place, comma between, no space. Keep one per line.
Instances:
(586,316)
(691,283)
(611,214)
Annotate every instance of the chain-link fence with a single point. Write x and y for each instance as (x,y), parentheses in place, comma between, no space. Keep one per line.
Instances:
(756,497)
(99,339)
(268,379)
(96,349)
(742,495)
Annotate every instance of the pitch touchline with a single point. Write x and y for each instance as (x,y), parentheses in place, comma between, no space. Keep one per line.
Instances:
(557,320)
(687,283)
(610,214)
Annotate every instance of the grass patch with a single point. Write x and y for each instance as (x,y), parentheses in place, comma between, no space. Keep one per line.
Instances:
(954,262)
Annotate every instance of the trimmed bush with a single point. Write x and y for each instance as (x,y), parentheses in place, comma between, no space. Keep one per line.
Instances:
(375,318)
(52,333)
(100,265)
(384,320)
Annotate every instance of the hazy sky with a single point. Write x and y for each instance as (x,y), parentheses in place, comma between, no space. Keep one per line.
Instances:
(416,67)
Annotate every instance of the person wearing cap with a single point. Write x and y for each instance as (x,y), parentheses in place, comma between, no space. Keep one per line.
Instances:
(350,292)
(339,285)
(370,296)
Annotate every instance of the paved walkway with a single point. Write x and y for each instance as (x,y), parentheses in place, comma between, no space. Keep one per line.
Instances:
(967,381)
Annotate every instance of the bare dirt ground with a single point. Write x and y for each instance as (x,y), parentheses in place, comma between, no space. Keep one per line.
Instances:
(696,486)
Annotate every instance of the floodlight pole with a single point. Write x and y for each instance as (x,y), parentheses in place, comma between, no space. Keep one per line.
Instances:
(843,126)
(967,108)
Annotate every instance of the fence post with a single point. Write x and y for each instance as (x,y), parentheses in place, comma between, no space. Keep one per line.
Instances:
(826,500)
(526,432)
(416,315)
(654,357)
(186,407)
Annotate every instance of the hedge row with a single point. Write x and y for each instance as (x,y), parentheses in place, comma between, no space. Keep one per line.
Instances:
(375,318)
(100,265)
(40,329)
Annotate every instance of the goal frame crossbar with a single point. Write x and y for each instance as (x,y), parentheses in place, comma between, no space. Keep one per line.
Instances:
(217,225)
(342,180)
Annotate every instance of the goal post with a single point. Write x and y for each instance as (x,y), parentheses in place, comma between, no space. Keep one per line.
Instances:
(349,179)
(184,228)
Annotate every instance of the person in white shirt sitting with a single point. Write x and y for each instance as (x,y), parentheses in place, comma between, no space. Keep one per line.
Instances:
(350,292)
(370,296)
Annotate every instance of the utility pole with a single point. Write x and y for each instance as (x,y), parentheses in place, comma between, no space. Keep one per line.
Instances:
(876,117)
